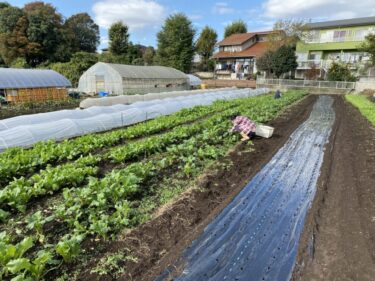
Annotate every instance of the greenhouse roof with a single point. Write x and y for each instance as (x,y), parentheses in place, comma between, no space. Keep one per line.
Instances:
(12,78)
(157,72)
(194,80)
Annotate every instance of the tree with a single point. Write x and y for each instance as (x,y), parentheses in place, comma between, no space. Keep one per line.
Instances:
(74,69)
(265,62)
(148,56)
(11,39)
(118,39)
(45,29)
(205,45)
(278,62)
(9,17)
(287,32)
(84,32)
(15,44)
(235,27)
(175,43)
(284,60)
(369,46)
(340,72)
(4,5)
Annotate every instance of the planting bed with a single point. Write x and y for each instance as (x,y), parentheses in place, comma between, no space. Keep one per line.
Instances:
(60,203)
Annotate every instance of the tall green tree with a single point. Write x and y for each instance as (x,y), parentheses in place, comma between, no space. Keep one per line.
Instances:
(45,29)
(10,35)
(118,39)
(278,62)
(9,17)
(4,5)
(235,27)
(369,46)
(84,33)
(15,44)
(284,60)
(205,45)
(175,43)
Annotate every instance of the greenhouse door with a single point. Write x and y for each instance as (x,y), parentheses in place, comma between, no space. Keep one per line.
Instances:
(99,83)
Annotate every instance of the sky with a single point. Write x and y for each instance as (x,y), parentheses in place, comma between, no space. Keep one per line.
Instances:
(145,17)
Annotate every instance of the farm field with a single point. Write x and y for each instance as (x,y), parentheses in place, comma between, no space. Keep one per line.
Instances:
(62,203)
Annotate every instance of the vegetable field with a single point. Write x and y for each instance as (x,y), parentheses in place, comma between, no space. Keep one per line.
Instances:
(364,105)
(57,200)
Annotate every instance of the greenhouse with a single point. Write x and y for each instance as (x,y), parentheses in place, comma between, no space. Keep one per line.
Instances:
(32,85)
(24,131)
(121,79)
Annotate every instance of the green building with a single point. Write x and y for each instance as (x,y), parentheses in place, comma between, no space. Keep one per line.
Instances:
(333,41)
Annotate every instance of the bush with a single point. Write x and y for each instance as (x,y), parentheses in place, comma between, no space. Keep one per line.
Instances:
(340,72)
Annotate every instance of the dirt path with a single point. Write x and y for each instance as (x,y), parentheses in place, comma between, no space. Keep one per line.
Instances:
(257,234)
(159,242)
(339,238)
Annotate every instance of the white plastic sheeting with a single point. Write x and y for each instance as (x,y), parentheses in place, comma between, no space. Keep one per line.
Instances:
(126,99)
(194,80)
(12,78)
(71,123)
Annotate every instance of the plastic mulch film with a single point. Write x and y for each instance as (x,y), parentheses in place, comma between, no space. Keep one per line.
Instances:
(71,123)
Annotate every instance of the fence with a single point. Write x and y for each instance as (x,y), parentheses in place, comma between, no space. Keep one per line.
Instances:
(261,82)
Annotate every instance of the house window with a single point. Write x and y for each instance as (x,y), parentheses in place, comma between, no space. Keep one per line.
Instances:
(339,35)
(313,36)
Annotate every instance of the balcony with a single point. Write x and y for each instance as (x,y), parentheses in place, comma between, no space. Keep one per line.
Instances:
(325,64)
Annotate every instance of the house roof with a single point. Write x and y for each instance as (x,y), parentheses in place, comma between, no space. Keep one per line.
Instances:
(256,50)
(240,38)
(14,78)
(135,71)
(342,23)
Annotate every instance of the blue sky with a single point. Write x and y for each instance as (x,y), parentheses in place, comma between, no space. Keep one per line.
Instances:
(145,17)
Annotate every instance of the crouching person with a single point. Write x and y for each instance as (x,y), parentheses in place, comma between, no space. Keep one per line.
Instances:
(244,126)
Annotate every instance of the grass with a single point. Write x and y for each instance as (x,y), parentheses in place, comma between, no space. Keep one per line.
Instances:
(364,105)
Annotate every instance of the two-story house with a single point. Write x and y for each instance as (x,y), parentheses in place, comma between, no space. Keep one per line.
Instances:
(333,41)
(236,58)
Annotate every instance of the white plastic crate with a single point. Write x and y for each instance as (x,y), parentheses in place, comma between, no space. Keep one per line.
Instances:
(264,131)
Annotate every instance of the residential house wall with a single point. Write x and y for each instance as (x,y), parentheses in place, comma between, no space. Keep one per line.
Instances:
(321,46)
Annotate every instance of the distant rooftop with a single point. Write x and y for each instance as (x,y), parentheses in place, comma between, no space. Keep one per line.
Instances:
(342,23)
(240,38)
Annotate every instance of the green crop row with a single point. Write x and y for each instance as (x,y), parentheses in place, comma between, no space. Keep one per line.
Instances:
(364,105)
(18,161)
(20,191)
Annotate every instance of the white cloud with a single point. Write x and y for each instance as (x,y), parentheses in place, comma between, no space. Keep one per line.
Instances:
(195,17)
(222,8)
(322,9)
(137,14)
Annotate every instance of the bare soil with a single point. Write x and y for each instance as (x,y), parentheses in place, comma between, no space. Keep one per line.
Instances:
(338,242)
(160,241)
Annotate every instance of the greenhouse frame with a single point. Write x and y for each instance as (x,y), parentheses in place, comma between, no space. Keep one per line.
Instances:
(32,85)
(121,79)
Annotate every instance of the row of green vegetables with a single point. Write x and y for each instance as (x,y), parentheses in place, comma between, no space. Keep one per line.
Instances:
(104,205)
(19,192)
(20,161)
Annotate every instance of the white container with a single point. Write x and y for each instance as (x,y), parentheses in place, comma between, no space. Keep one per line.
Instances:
(264,131)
